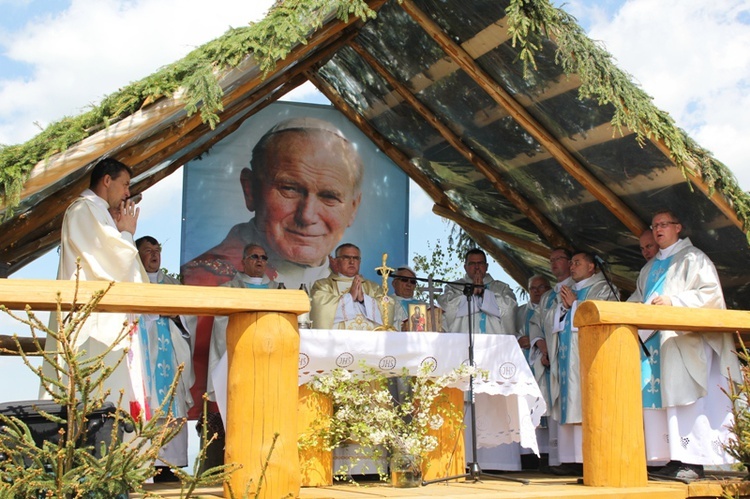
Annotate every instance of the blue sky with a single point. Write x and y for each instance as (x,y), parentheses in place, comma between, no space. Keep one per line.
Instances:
(58,57)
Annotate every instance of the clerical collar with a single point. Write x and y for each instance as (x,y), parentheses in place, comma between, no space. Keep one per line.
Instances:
(342,276)
(583,282)
(668,251)
(251,280)
(153,277)
(564,282)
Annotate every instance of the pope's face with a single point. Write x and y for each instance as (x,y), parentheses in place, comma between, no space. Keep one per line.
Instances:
(308,196)
(150,256)
(404,284)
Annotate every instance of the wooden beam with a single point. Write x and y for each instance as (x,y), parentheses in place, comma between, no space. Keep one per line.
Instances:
(145,298)
(528,122)
(512,239)
(491,173)
(8,345)
(606,313)
(417,175)
(397,156)
(119,134)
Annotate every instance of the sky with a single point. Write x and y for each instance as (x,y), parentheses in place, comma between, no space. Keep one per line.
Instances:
(59,57)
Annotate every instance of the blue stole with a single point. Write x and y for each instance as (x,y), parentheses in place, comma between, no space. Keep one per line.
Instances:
(651,366)
(255,286)
(160,380)
(526,321)
(565,341)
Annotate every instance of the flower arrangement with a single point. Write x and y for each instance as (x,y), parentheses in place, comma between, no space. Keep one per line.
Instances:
(395,415)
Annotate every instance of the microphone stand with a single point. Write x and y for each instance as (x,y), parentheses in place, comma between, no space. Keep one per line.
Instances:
(474,471)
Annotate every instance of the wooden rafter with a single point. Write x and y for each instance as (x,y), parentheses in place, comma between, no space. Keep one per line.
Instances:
(44,238)
(490,173)
(602,193)
(404,162)
(511,239)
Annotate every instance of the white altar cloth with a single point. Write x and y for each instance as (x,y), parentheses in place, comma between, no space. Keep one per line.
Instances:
(509,404)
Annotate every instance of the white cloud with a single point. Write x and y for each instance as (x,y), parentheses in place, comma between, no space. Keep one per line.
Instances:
(693,57)
(96,46)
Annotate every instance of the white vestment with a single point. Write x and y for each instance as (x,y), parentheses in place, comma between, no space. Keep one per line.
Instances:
(541,328)
(565,368)
(219,330)
(106,254)
(334,308)
(492,313)
(692,423)
(178,345)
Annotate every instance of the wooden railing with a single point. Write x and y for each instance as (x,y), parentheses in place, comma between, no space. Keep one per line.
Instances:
(263,348)
(614,452)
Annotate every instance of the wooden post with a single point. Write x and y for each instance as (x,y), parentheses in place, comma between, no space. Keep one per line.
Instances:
(317,465)
(614,451)
(263,354)
(449,458)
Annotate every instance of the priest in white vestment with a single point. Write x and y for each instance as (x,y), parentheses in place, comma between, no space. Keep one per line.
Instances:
(537,286)
(167,342)
(493,311)
(107,252)
(543,346)
(565,367)
(347,300)
(686,415)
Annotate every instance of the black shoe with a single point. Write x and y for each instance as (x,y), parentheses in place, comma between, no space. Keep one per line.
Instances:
(165,474)
(567,469)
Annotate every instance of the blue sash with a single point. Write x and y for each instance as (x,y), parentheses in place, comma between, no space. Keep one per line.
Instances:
(651,366)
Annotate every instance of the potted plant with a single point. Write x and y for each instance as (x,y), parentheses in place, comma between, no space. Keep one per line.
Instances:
(371,411)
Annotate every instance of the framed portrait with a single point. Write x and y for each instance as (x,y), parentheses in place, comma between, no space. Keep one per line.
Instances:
(417,317)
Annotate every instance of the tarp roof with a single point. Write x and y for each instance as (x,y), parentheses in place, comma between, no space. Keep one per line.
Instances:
(518,126)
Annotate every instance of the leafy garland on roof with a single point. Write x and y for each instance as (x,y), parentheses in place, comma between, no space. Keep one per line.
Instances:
(530,22)
(288,24)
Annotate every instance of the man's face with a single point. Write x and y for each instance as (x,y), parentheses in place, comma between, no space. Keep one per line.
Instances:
(537,287)
(476,266)
(118,188)
(254,261)
(150,256)
(666,231)
(307,197)
(559,265)
(348,261)
(404,283)
(649,248)
(580,268)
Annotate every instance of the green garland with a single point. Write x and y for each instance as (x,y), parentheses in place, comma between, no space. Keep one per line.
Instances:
(287,24)
(290,22)
(532,21)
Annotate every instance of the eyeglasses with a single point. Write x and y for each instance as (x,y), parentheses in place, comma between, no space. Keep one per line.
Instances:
(349,258)
(539,288)
(255,256)
(663,225)
(553,260)
(473,264)
(406,279)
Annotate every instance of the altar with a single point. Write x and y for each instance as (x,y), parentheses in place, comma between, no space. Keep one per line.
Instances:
(509,403)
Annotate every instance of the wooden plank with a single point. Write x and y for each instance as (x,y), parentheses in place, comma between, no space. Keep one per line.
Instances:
(662,318)
(145,298)
(490,172)
(614,449)
(527,121)
(261,419)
